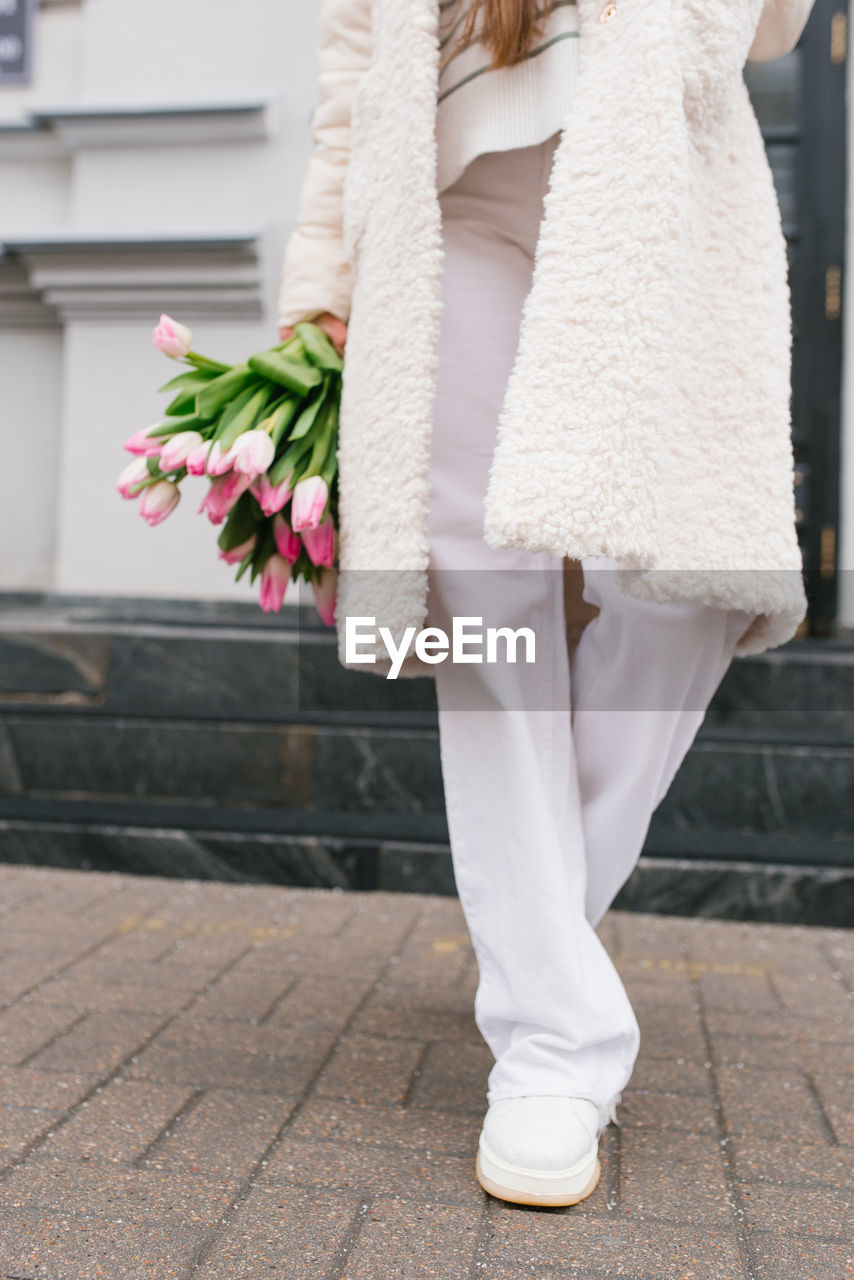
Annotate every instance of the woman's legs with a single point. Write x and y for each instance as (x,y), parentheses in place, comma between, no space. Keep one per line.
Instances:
(550,1004)
(551,770)
(642,677)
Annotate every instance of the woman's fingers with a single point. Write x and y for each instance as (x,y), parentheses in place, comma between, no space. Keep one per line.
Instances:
(335,330)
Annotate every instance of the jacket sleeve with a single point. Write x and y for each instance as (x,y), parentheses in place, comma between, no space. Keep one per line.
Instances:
(779,30)
(316,275)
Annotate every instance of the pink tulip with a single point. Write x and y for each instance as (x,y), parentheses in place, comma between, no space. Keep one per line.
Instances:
(222,495)
(218,462)
(252,453)
(172,338)
(287,541)
(158,500)
(197,460)
(272,497)
(178,448)
(320,542)
(131,476)
(275,577)
(236,554)
(324,595)
(142,443)
(310,497)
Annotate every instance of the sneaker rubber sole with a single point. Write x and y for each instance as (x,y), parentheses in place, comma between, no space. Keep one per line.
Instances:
(551,1187)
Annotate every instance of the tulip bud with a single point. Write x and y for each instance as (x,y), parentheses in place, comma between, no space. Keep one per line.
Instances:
(132,475)
(197,460)
(172,338)
(309,502)
(252,453)
(287,541)
(178,448)
(222,495)
(320,542)
(143,444)
(237,554)
(158,500)
(272,497)
(218,462)
(275,577)
(325,594)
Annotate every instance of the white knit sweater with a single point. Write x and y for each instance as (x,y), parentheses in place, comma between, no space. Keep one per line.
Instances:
(481,109)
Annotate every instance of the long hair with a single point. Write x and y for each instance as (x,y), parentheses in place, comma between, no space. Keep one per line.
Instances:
(509,27)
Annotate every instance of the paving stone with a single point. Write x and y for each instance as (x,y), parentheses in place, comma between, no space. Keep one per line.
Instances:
(22,970)
(79,1248)
(648,985)
(319,956)
(26,1026)
(832,1029)
(319,1004)
(442,1133)
(125,997)
(19,1126)
(776,1104)
(29,1087)
(653,1109)
(105,973)
(242,998)
(369,1069)
(746,993)
(401,1239)
(839,951)
(417,1023)
(791,1258)
(64,1188)
(211,1054)
(673,1075)
(836,1095)
(802,1211)
(284,1230)
(223,1131)
(119,1121)
(578,1246)
(368,1169)
(645,934)
(811,995)
(97,1043)
(379,923)
(452,1077)
(756,1159)
(679,1176)
(765,1053)
(665,1032)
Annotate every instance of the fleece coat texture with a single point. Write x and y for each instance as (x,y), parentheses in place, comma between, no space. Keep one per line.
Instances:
(647,414)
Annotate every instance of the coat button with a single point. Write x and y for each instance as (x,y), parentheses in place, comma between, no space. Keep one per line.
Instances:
(609,12)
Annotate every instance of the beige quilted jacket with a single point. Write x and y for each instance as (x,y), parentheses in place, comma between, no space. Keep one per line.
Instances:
(316,274)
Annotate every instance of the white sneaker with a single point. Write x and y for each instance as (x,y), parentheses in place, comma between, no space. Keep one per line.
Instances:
(540,1149)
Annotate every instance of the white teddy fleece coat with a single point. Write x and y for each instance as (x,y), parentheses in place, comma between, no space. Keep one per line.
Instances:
(647,414)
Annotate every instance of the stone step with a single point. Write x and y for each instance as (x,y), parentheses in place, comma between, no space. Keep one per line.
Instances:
(210,661)
(725,784)
(257,847)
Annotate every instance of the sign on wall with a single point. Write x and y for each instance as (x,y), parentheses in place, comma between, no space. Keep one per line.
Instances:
(16,40)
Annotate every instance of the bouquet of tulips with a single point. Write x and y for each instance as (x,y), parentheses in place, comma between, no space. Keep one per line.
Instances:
(264,433)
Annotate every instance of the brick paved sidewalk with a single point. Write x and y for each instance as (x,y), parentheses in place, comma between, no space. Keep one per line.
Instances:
(211,1080)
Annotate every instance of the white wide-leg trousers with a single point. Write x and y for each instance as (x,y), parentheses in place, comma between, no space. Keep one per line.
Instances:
(551,769)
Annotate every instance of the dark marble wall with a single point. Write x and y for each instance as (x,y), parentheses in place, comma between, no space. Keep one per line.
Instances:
(213,740)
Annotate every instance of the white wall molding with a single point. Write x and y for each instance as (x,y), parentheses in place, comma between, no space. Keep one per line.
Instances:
(64,130)
(90,277)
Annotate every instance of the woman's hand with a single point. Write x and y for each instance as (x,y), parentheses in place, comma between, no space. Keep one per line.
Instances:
(335,330)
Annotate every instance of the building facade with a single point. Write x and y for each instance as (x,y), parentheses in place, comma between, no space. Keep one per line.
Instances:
(151,160)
